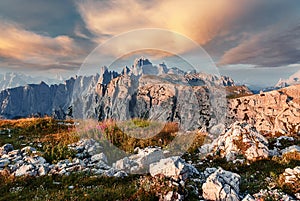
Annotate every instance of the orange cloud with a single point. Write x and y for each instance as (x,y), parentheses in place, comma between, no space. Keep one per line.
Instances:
(200,20)
(18,44)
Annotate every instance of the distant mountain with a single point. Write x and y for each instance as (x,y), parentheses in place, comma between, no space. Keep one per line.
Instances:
(292,80)
(13,79)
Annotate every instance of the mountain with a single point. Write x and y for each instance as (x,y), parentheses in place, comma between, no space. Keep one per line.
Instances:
(144,90)
(40,99)
(292,80)
(275,111)
(195,100)
(13,79)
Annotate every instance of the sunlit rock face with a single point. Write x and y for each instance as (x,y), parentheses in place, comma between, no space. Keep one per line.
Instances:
(163,98)
(194,100)
(155,92)
(274,112)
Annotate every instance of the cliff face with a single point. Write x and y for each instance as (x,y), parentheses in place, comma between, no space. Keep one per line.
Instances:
(42,99)
(164,98)
(276,111)
(195,100)
(35,99)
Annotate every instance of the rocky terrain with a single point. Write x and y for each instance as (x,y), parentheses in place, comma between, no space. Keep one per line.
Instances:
(275,111)
(241,144)
(247,146)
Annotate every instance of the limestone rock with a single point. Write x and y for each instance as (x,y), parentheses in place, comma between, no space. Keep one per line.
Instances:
(248,198)
(99,157)
(174,167)
(4,163)
(139,161)
(274,194)
(241,139)
(25,170)
(292,149)
(5,149)
(221,185)
(270,112)
(291,179)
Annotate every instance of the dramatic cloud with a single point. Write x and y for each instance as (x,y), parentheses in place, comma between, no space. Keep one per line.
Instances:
(239,32)
(271,48)
(199,20)
(23,47)
(45,35)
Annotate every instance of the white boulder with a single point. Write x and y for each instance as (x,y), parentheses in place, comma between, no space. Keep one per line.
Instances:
(222,185)
(241,139)
(174,167)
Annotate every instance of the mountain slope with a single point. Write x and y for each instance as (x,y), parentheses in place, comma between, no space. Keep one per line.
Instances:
(275,111)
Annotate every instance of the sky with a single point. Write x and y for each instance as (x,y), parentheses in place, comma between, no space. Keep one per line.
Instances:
(255,42)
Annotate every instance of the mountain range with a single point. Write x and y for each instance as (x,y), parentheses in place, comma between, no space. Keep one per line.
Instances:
(143,90)
(14,79)
(156,92)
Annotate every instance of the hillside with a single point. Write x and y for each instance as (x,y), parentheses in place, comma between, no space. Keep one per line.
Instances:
(275,112)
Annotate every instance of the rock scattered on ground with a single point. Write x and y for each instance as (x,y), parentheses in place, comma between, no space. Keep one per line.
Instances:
(174,167)
(222,185)
(241,139)
(140,161)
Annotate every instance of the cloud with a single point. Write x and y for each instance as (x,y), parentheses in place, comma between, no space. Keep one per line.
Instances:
(277,46)
(200,20)
(20,47)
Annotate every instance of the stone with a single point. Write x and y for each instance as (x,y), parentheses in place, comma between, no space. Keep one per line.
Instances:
(28,149)
(4,163)
(43,170)
(25,170)
(290,178)
(35,159)
(173,196)
(209,171)
(291,149)
(6,148)
(101,165)
(99,157)
(174,167)
(140,161)
(274,194)
(241,139)
(248,197)
(121,174)
(221,185)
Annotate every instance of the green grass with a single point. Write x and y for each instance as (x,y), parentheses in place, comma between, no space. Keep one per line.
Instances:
(253,176)
(57,188)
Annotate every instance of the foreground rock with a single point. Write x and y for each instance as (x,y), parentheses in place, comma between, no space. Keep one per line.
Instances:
(139,162)
(222,185)
(174,167)
(291,179)
(28,162)
(292,152)
(272,195)
(241,139)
